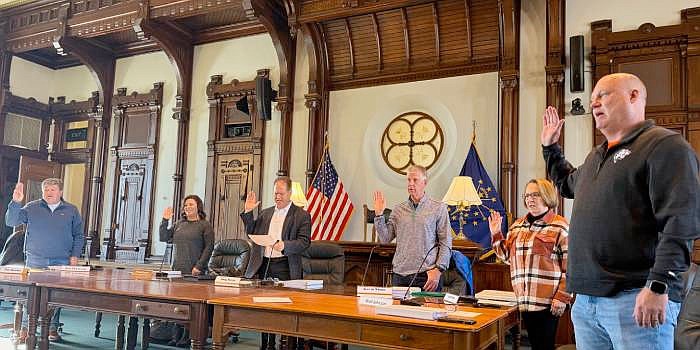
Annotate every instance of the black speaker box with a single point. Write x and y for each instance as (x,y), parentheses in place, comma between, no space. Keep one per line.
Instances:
(576,58)
(263,97)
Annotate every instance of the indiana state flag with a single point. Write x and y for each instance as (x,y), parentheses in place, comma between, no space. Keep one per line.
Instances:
(475,218)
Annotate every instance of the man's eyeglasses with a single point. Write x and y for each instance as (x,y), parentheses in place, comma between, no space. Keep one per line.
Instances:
(533,195)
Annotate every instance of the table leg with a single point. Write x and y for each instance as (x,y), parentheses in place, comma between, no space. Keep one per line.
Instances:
(218,336)
(32,320)
(44,325)
(17,326)
(132,333)
(199,326)
(515,333)
(145,333)
(98,323)
(119,342)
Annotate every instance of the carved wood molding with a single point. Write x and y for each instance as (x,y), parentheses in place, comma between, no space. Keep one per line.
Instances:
(176,42)
(152,98)
(555,66)
(509,75)
(415,41)
(284,42)
(316,100)
(678,44)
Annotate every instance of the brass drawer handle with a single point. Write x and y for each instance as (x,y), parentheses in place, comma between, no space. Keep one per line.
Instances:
(140,308)
(404,337)
(179,310)
(22,293)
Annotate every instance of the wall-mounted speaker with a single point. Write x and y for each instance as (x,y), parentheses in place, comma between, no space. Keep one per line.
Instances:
(264,96)
(576,59)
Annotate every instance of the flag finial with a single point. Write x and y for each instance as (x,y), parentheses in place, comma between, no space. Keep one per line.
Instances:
(473,131)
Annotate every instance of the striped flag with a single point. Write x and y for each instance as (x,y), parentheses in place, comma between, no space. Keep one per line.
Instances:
(329,205)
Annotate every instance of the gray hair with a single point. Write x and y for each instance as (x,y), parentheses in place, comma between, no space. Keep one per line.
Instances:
(52,181)
(418,169)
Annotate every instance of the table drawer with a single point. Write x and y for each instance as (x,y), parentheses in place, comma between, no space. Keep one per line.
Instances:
(406,337)
(14,292)
(160,310)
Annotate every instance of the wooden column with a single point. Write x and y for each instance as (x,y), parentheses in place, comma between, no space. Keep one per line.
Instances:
(101,63)
(509,75)
(316,99)
(556,64)
(176,41)
(284,41)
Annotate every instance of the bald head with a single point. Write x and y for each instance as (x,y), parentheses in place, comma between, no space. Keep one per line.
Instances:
(617,103)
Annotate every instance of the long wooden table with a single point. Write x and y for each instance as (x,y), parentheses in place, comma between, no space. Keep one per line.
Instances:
(342,319)
(24,290)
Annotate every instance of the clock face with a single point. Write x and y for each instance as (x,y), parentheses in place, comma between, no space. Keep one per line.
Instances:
(413,138)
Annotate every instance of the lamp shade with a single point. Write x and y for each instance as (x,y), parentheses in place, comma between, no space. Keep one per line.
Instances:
(462,192)
(298,196)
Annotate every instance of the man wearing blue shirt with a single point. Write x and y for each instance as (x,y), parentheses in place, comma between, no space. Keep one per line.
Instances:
(54,231)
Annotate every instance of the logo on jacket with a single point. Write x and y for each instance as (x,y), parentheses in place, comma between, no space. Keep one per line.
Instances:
(621,154)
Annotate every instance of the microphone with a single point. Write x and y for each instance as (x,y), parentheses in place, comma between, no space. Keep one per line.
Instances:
(364,274)
(160,273)
(265,281)
(405,301)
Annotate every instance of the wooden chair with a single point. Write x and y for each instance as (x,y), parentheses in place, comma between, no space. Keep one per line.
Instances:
(369,220)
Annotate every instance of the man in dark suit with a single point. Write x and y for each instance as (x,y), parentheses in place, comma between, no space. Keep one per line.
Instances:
(290,226)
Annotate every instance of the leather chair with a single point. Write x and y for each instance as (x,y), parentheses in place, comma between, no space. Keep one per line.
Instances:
(324,261)
(229,258)
(452,281)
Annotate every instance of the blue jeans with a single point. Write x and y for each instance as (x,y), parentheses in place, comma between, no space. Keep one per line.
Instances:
(608,323)
(39,262)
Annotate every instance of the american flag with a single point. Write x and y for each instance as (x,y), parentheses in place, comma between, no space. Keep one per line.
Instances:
(329,205)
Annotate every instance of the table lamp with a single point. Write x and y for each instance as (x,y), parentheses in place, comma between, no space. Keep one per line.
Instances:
(463,195)
(298,196)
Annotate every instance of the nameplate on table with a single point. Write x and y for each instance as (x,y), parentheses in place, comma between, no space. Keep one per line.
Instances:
(375,300)
(272,300)
(168,274)
(373,290)
(418,312)
(450,298)
(14,269)
(400,292)
(227,281)
(70,268)
(303,284)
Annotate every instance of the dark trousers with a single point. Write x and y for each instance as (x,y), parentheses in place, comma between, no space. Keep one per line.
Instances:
(273,268)
(541,328)
(403,281)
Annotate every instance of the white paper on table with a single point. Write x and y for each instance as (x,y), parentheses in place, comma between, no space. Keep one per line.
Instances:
(465,314)
(272,300)
(263,240)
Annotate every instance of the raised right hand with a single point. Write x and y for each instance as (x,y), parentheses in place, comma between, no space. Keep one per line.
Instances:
(168,213)
(379,203)
(251,201)
(551,126)
(18,194)
(495,221)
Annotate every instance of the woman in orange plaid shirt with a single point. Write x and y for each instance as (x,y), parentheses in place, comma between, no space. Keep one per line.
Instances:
(536,249)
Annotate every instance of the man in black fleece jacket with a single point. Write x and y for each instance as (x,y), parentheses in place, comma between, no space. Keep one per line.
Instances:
(635,216)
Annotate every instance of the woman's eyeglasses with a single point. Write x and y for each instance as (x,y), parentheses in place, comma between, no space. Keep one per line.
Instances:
(533,195)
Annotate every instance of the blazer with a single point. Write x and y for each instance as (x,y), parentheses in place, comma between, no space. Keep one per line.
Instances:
(296,233)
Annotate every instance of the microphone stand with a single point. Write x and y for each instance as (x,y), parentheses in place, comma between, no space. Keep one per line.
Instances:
(404,300)
(160,273)
(265,281)
(364,274)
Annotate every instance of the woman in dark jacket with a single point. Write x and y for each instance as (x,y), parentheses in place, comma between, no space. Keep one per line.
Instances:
(193,241)
(192,236)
